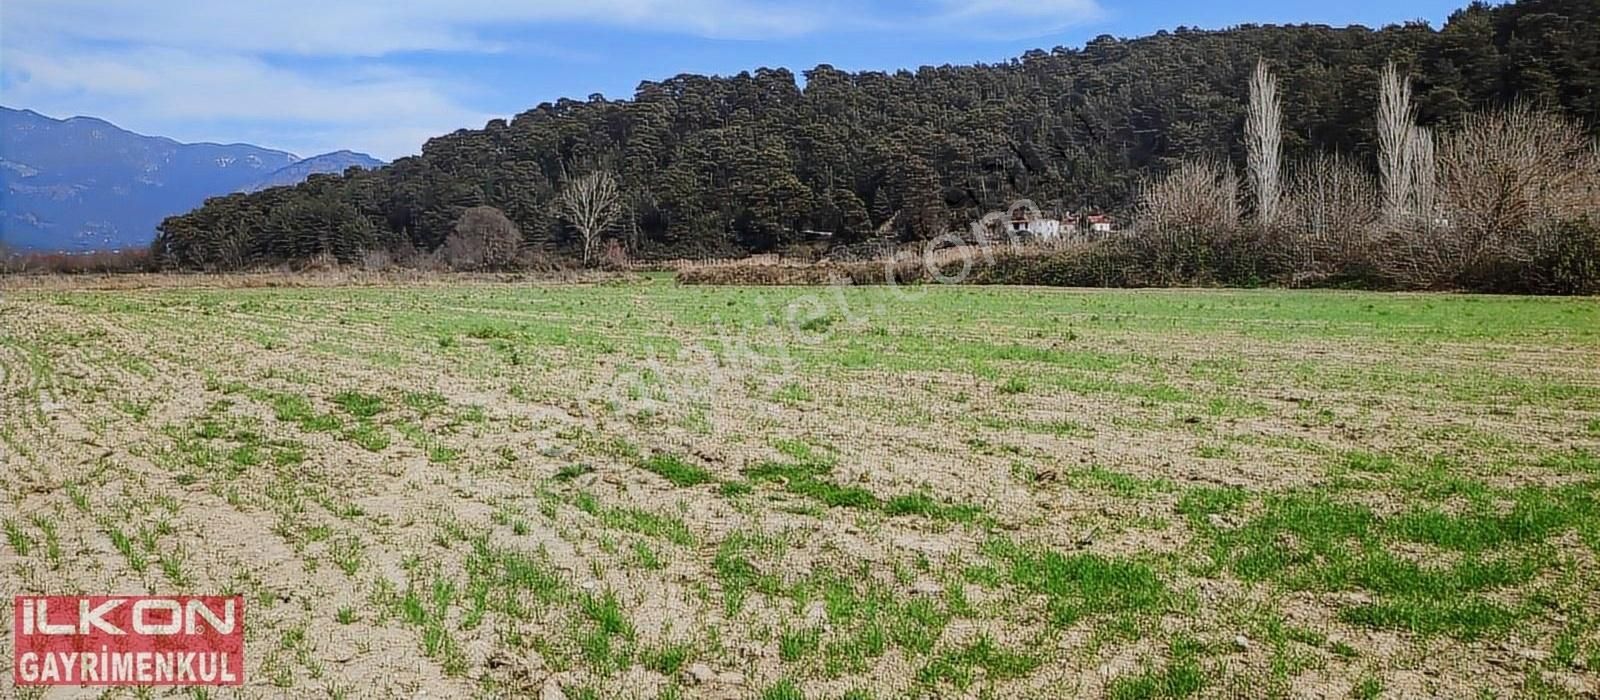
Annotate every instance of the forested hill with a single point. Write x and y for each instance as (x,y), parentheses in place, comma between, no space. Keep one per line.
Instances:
(748,163)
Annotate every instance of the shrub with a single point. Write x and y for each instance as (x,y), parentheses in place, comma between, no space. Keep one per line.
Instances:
(98,262)
(1571,264)
(615,258)
(483,239)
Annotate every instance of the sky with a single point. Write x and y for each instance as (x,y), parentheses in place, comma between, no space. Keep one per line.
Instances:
(381,76)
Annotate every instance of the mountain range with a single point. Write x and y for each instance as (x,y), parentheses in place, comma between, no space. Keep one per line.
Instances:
(83,183)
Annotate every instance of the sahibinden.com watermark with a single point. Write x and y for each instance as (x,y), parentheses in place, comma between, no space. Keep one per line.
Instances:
(128,640)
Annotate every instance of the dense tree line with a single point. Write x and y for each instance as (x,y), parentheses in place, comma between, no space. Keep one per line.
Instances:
(753,162)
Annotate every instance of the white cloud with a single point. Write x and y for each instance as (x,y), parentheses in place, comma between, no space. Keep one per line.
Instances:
(280,71)
(195,96)
(378,27)
(1022,17)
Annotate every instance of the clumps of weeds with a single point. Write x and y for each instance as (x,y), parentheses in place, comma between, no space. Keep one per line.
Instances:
(127,547)
(19,540)
(1060,427)
(668,659)
(493,332)
(784,689)
(431,445)
(674,469)
(796,644)
(792,394)
(807,480)
(568,472)
(922,504)
(806,476)
(52,539)
(135,409)
(1575,461)
(732,489)
(1368,462)
(358,404)
(1335,546)
(425,403)
(428,610)
(818,324)
(1181,677)
(738,575)
(293,408)
(1014,385)
(960,666)
(1200,503)
(369,436)
(1081,585)
(606,643)
(637,520)
(347,554)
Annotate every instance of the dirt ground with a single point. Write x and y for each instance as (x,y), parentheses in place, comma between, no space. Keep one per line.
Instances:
(633,489)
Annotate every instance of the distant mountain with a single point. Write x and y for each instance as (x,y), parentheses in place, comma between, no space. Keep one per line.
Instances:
(86,184)
(336,162)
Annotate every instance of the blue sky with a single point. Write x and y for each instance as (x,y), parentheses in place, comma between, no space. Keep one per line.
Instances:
(382,75)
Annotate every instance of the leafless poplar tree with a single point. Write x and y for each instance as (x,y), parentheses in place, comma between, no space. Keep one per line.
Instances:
(1396,119)
(1264,144)
(592,203)
(1423,160)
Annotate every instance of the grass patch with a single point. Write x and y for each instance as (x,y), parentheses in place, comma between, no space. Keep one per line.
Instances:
(738,574)
(1177,680)
(1202,502)
(1465,618)
(784,689)
(1080,585)
(806,480)
(922,504)
(293,408)
(358,404)
(674,469)
(1309,541)
(959,666)
(369,436)
(637,520)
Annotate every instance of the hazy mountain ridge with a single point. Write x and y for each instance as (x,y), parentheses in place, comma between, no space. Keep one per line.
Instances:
(328,163)
(85,184)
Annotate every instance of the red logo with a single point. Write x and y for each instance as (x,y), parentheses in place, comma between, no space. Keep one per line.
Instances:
(128,640)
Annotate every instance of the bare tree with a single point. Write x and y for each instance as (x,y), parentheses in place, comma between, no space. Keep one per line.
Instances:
(592,203)
(1183,216)
(1198,196)
(1264,143)
(1423,160)
(483,239)
(1396,119)
(1507,178)
(1330,212)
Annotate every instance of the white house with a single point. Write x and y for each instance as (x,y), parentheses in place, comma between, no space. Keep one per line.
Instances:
(1042,228)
